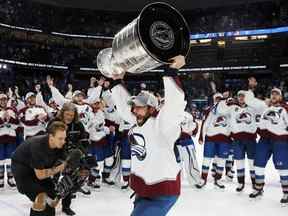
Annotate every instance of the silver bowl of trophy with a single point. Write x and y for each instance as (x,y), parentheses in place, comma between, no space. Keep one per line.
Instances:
(158,34)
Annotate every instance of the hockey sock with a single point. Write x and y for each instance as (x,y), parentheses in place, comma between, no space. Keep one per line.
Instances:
(220,168)
(240,164)
(126,168)
(108,163)
(205,167)
(259,178)
(284,180)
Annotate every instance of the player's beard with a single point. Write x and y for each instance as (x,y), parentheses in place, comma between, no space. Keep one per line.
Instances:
(142,119)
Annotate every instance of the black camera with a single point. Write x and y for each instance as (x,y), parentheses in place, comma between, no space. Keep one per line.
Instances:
(73,179)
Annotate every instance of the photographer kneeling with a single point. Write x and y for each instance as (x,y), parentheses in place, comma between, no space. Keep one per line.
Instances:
(33,166)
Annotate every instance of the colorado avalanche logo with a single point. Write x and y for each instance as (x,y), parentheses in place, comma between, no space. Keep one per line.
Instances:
(221,121)
(184,122)
(137,143)
(84,118)
(272,116)
(257,118)
(244,117)
(99,127)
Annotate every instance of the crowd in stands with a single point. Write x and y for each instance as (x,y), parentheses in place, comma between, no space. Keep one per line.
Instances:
(50,18)
(44,49)
(246,16)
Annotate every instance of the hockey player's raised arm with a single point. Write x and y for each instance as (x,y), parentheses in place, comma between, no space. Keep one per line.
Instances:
(254,102)
(120,96)
(223,108)
(171,114)
(205,122)
(40,102)
(58,97)
(93,94)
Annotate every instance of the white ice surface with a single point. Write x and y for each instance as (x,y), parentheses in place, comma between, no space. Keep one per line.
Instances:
(111,201)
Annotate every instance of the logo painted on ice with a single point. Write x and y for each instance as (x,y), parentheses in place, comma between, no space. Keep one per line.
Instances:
(138,145)
(279,163)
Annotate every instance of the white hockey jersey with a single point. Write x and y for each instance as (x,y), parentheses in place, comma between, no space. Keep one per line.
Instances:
(97,128)
(215,126)
(274,119)
(189,125)
(28,117)
(84,110)
(154,169)
(16,103)
(242,120)
(85,114)
(40,102)
(8,126)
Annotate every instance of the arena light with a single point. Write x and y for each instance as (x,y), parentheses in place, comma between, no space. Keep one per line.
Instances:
(155,70)
(240,33)
(283,65)
(20,28)
(221,43)
(81,36)
(252,67)
(243,38)
(205,40)
(30,64)
(260,32)
(193,42)
(259,37)
(88,69)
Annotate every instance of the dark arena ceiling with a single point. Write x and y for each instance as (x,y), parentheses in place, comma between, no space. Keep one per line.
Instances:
(136,5)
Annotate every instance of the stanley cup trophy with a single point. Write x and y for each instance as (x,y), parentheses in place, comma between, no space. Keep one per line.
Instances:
(158,34)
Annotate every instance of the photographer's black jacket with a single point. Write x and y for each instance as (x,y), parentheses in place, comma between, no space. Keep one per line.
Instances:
(34,153)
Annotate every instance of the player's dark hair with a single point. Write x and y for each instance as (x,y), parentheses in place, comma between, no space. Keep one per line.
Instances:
(56,126)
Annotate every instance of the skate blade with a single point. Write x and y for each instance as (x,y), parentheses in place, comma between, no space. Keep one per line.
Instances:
(256,199)
(284,205)
(219,189)
(95,189)
(12,188)
(240,193)
(228,179)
